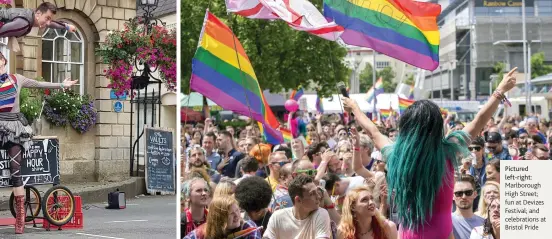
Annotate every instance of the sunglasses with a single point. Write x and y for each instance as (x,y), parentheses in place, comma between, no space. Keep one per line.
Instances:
(477,148)
(462,193)
(280,163)
(310,172)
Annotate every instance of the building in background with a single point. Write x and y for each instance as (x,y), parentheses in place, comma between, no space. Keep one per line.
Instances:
(358,57)
(476,34)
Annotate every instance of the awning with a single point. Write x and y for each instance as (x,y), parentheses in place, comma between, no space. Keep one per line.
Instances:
(189,115)
(274,99)
(195,102)
(334,105)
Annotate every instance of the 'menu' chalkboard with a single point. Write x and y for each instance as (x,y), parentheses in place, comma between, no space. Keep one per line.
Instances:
(39,165)
(159,161)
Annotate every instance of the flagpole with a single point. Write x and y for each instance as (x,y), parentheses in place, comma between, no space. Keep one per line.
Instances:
(374,82)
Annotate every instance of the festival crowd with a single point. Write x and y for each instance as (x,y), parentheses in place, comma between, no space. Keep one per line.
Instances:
(331,181)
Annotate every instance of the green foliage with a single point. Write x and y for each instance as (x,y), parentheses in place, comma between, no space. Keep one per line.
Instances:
(234,123)
(283,58)
(30,102)
(498,69)
(538,68)
(409,80)
(66,103)
(387,74)
(30,106)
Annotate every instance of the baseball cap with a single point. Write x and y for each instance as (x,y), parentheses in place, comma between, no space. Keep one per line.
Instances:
(493,137)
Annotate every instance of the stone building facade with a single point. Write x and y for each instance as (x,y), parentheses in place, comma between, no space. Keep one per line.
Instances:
(102,154)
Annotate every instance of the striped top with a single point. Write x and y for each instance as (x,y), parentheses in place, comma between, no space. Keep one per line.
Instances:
(10,88)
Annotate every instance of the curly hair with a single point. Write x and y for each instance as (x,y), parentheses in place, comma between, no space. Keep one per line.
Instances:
(253,194)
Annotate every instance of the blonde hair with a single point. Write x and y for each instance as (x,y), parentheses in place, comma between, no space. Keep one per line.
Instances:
(224,189)
(187,189)
(217,218)
(482,208)
(347,225)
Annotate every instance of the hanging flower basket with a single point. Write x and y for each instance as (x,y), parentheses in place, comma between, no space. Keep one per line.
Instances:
(123,48)
(63,108)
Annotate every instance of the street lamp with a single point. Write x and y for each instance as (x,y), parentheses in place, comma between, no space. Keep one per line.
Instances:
(142,77)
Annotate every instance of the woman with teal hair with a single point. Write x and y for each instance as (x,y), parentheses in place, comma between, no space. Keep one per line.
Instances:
(422,160)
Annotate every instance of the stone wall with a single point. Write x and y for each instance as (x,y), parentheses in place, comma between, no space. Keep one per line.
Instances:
(103,153)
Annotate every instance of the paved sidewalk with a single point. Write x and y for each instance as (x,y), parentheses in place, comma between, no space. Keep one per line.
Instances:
(92,192)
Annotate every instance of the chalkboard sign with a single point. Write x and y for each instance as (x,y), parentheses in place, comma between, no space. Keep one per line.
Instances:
(159,161)
(39,165)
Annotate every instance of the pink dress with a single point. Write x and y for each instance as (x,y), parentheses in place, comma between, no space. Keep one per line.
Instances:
(439,225)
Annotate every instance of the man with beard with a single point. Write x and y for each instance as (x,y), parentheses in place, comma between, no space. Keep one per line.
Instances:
(463,219)
(495,147)
(196,159)
(230,155)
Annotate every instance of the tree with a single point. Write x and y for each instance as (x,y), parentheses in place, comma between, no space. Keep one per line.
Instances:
(409,80)
(387,74)
(283,58)
(498,69)
(538,68)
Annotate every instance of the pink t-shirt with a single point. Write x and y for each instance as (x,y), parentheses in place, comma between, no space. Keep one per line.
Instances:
(439,225)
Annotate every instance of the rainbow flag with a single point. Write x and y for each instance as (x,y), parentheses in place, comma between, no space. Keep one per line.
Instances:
(411,93)
(296,94)
(374,93)
(385,114)
(319,106)
(403,29)
(404,103)
(444,112)
(222,72)
(288,137)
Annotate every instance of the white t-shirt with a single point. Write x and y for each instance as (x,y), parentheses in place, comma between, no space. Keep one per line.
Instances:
(283,225)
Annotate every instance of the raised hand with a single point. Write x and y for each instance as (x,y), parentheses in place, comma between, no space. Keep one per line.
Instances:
(349,104)
(72,28)
(68,82)
(356,137)
(508,81)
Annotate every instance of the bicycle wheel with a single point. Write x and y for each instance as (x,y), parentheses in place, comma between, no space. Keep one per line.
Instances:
(58,205)
(34,201)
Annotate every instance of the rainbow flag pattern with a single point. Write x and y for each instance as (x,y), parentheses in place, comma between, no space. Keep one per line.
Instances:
(222,72)
(319,105)
(373,93)
(288,137)
(404,103)
(8,92)
(385,114)
(411,93)
(296,94)
(403,29)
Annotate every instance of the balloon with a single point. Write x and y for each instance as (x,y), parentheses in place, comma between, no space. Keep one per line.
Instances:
(291,105)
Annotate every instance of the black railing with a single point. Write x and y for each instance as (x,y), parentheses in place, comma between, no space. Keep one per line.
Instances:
(145,96)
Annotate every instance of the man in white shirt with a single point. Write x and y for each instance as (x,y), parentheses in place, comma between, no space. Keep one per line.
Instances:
(305,219)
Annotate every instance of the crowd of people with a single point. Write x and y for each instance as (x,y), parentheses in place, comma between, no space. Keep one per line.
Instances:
(355,179)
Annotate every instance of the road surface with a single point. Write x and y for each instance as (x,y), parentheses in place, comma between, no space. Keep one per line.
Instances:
(144,217)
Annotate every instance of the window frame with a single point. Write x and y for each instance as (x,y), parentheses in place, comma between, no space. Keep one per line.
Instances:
(53,62)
